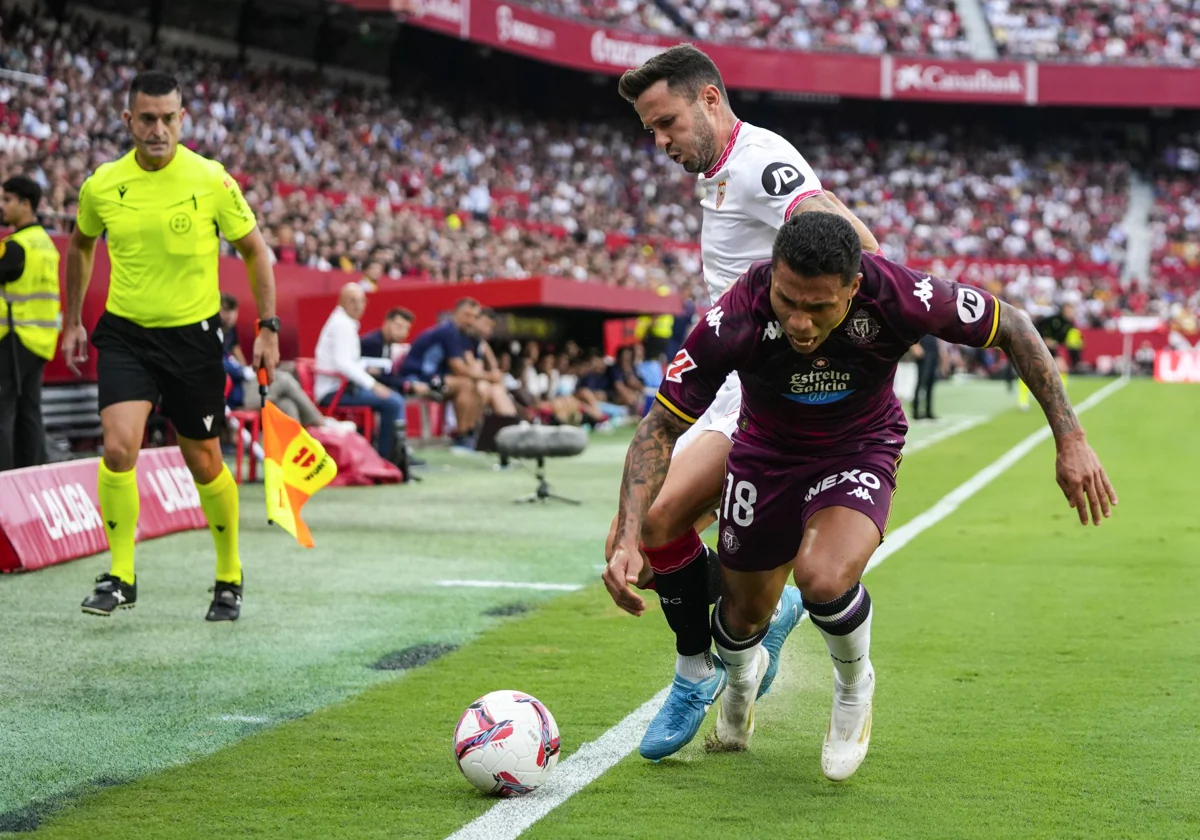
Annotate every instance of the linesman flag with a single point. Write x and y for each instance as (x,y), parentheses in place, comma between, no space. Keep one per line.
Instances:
(295,466)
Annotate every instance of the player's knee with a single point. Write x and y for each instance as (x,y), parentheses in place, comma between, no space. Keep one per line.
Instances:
(821,584)
(120,455)
(203,459)
(744,616)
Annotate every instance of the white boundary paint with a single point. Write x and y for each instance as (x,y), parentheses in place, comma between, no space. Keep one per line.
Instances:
(508,819)
(509,584)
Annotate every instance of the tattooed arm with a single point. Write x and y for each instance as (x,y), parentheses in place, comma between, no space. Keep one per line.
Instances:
(1019,339)
(1079,473)
(646,466)
(829,203)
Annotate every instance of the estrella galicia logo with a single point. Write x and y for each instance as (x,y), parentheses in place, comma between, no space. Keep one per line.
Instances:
(181,223)
(781,178)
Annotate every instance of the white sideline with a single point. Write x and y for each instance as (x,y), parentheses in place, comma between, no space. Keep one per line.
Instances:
(508,819)
(948,432)
(510,584)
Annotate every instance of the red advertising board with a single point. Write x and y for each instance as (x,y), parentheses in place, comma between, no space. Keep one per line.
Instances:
(934,80)
(1177,366)
(51,514)
(516,28)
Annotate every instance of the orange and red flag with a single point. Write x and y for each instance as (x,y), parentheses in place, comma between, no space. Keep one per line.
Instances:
(295,466)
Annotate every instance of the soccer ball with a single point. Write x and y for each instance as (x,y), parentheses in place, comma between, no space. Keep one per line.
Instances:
(506,743)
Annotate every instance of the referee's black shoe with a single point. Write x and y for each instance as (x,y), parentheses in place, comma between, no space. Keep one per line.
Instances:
(226,603)
(111,593)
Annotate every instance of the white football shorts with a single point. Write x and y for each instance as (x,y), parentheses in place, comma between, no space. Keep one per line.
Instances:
(721,416)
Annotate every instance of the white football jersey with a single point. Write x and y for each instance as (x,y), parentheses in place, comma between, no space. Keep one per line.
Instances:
(758,181)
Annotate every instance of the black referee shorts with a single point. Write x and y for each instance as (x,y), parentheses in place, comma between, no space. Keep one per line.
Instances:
(179,367)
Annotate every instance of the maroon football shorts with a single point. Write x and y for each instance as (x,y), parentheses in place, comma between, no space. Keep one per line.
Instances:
(768,499)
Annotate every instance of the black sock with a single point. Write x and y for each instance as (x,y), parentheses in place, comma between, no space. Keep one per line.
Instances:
(685,601)
(713,560)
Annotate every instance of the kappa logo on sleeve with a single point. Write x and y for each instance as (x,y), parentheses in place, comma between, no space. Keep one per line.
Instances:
(971,304)
(681,364)
(924,291)
(714,317)
(780,179)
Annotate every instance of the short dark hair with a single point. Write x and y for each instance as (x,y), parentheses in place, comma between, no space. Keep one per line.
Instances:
(816,244)
(399,312)
(153,83)
(228,302)
(26,189)
(466,303)
(686,69)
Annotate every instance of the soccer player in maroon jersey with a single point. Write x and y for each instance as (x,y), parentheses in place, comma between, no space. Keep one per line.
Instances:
(815,334)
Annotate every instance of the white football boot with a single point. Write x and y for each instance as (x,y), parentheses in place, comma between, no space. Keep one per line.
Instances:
(735,715)
(849,733)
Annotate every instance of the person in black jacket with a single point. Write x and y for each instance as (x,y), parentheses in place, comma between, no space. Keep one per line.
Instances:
(928,354)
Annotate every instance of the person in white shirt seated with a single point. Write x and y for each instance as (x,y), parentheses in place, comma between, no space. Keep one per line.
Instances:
(339,354)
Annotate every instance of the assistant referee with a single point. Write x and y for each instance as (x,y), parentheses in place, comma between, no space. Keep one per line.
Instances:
(159,339)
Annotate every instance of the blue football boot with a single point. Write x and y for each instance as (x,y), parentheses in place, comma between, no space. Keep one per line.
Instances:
(679,719)
(787,616)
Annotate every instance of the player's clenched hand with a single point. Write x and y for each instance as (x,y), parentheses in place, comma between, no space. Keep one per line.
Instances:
(624,568)
(74,347)
(266,353)
(1083,480)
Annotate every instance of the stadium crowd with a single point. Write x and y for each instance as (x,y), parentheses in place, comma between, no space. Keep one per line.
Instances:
(411,188)
(363,182)
(915,27)
(1096,31)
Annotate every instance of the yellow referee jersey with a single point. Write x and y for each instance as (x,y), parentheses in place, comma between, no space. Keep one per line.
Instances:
(163,234)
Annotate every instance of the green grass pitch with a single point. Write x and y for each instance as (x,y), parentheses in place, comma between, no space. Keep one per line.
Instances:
(1036,678)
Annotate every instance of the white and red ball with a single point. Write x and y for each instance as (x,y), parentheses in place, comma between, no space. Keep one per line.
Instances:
(506,743)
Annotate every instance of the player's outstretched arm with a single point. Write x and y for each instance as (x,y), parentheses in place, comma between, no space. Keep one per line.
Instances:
(1080,475)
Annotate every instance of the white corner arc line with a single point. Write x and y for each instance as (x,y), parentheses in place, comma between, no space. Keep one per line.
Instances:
(509,584)
(508,819)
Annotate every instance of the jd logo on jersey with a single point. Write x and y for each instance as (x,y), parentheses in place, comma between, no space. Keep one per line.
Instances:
(781,178)
(970,305)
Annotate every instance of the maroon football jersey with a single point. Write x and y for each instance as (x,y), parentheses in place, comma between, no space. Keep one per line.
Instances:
(838,398)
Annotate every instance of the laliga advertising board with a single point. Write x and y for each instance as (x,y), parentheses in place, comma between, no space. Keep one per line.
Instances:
(1177,366)
(51,514)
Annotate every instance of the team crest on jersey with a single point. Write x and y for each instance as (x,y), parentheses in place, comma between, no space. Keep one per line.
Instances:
(729,540)
(681,364)
(820,363)
(862,328)
(721,193)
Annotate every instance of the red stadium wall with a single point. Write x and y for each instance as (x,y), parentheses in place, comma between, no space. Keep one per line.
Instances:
(601,49)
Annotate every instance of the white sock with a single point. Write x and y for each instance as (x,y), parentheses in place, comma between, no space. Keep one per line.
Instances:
(695,668)
(739,663)
(851,652)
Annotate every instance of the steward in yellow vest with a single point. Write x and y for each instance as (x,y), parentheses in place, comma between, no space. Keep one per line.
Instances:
(30,321)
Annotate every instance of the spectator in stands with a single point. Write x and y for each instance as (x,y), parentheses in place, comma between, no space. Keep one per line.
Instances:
(624,386)
(372,274)
(388,343)
(286,391)
(492,389)
(229,321)
(339,356)
(437,358)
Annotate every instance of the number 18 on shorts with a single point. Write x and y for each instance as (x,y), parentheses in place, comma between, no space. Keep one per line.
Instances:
(767,502)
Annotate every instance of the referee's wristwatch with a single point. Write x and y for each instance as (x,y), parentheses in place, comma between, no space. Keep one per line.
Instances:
(272,324)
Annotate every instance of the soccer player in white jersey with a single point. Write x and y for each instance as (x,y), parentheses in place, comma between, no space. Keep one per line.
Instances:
(754,181)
